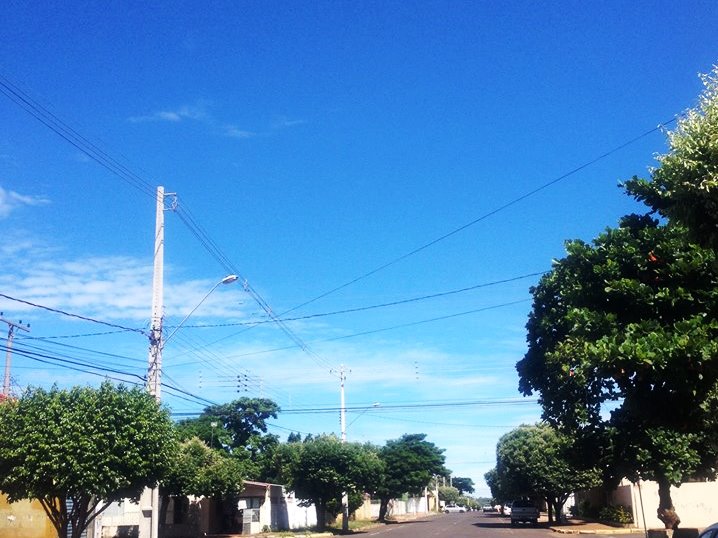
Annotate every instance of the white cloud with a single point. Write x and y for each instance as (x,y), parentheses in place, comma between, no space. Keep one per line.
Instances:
(11,200)
(235,132)
(283,122)
(108,288)
(197,112)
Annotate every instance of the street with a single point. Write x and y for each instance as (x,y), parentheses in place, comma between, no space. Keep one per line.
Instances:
(468,525)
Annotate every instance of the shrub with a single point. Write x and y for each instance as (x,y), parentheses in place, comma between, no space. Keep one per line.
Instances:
(617,514)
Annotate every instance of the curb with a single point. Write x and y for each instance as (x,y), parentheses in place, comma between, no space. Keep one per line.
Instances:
(564,530)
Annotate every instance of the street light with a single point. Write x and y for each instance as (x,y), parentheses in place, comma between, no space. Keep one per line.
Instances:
(373,406)
(226,280)
(150,503)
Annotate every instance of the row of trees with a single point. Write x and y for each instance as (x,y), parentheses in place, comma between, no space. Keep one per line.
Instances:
(623,333)
(77,451)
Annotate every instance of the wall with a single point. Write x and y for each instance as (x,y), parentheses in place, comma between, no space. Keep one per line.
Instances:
(24,519)
(695,503)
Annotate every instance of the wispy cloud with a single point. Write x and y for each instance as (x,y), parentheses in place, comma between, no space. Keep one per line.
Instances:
(283,122)
(233,131)
(11,200)
(196,112)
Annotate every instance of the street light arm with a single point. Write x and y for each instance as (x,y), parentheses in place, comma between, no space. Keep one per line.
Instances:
(226,280)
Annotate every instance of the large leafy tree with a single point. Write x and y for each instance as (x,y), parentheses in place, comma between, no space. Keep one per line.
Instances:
(499,490)
(88,446)
(541,461)
(463,484)
(629,325)
(234,422)
(409,464)
(200,471)
(684,187)
(449,494)
(320,470)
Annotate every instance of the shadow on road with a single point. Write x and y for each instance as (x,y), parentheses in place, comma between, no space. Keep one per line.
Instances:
(374,527)
(492,524)
(505,524)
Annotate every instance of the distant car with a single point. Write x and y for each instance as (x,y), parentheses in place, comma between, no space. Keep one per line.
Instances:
(488,508)
(453,509)
(710,532)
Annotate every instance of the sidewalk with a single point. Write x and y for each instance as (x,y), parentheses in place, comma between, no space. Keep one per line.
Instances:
(579,526)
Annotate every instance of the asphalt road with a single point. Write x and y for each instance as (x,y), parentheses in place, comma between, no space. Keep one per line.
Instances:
(468,525)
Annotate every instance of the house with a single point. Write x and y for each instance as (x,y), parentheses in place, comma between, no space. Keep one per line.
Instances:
(24,519)
(260,506)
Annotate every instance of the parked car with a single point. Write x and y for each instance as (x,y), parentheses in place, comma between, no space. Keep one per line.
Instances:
(524,511)
(506,509)
(710,532)
(453,509)
(488,508)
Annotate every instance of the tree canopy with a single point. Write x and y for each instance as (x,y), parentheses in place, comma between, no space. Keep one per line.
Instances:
(320,470)
(200,471)
(409,464)
(235,422)
(684,188)
(449,494)
(540,461)
(629,325)
(89,446)
(463,484)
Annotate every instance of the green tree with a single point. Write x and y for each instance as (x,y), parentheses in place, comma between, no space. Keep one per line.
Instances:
(629,324)
(463,484)
(200,471)
(236,422)
(88,446)
(498,490)
(320,470)
(449,494)
(409,464)
(540,461)
(684,187)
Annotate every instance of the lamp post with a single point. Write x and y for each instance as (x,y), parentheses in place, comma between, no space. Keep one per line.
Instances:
(150,528)
(373,406)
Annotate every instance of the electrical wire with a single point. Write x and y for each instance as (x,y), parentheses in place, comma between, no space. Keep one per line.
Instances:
(63,130)
(76,316)
(383,329)
(483,217)
(375,306)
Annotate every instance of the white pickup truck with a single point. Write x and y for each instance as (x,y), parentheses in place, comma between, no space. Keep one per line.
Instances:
(524,511)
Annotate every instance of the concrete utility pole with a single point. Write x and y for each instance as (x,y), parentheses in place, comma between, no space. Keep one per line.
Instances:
(150,500)
(8,353)
(343,424)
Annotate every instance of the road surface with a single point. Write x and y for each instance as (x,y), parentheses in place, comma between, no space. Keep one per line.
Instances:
(468,525)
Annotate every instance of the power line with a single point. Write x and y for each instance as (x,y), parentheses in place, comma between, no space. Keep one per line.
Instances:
(393,327)
(483,217)
(62,129)
(104,372)
(375,306)
(76,316)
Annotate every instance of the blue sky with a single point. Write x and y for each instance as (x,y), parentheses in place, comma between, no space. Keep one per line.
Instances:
(320,146)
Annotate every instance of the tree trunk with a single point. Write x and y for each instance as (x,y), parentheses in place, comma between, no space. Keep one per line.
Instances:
(321,516)
(666,510)
(549,504)
(557,510)
(383,509)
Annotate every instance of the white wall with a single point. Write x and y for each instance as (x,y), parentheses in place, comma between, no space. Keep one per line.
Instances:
(696,503)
